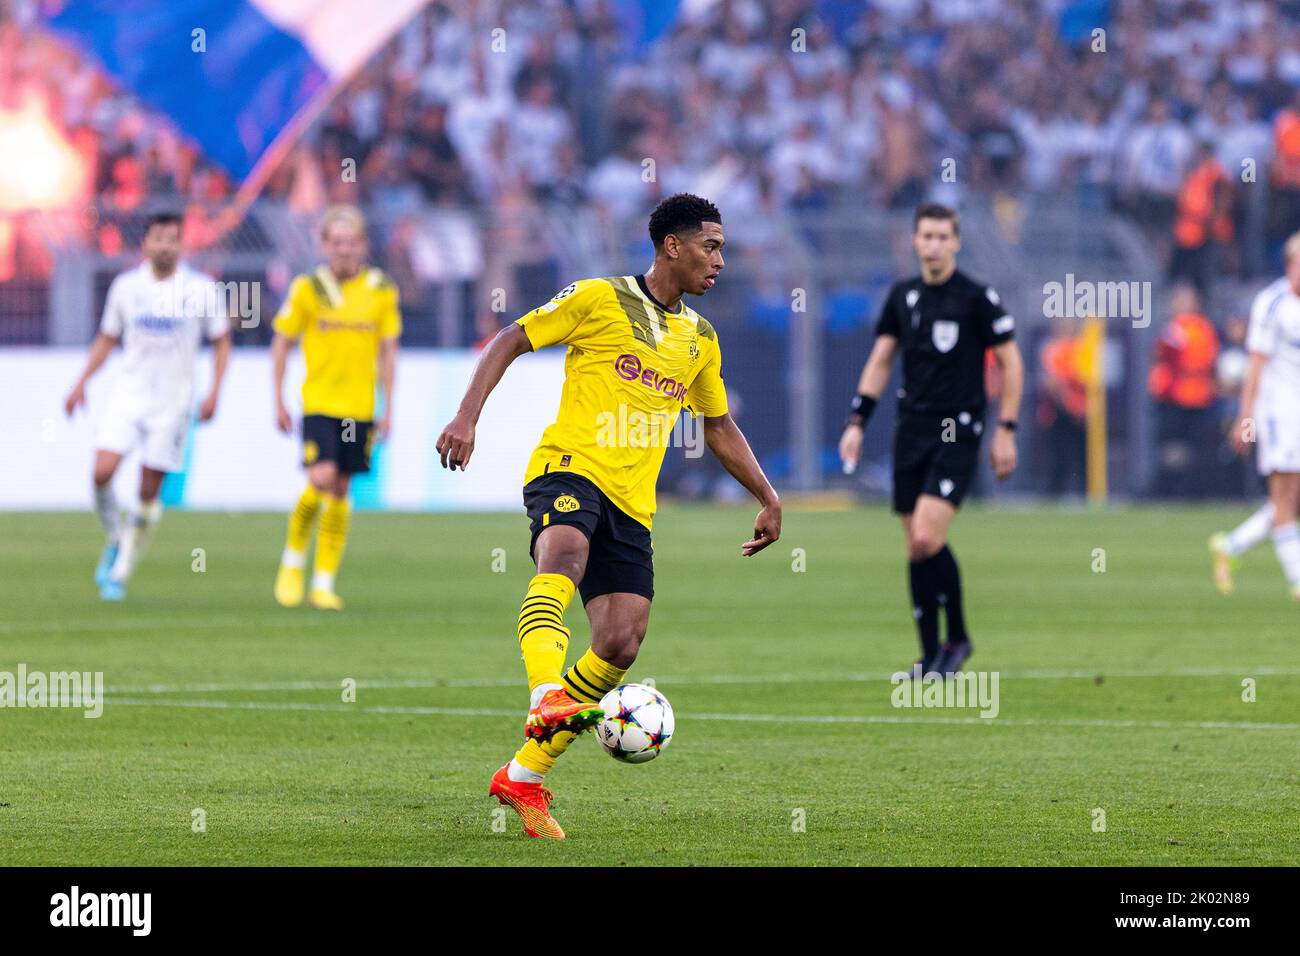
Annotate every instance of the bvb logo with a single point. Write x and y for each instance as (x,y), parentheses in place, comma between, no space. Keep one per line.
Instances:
(566,503)
(694,350)
(310,451)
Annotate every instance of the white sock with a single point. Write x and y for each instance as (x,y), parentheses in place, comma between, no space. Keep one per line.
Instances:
(521,774)
(1251,531)
(106,508)
(136,538)
(539,691)
(320,581)
(1286,542)
(293,559)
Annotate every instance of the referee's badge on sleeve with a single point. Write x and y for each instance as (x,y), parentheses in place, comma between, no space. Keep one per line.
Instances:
(944,334)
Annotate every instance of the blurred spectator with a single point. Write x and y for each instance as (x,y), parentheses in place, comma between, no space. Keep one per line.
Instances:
(431,158)
(1285,175)
(1204,221)
(1181,383)
(1153,164)
(998,149)
(1061,411)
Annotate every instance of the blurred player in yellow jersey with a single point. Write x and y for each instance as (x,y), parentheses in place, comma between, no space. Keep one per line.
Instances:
(637,356)
(346,314)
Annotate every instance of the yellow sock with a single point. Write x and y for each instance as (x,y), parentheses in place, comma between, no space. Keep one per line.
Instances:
(301,520)
(589,679)
(543,638)
(541,757)
(334,521)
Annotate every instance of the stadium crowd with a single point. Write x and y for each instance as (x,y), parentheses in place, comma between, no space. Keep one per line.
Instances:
(1109,101)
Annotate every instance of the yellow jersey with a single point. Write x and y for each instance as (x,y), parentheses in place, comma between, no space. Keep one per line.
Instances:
(631,368)
(341,325)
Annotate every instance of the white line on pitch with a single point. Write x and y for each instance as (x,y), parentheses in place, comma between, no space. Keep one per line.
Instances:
(850,678)
(732,718)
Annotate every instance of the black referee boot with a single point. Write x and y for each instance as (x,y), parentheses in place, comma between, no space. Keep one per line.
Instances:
(952,656)
(925,667)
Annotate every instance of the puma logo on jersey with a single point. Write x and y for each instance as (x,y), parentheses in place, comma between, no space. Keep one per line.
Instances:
(946,486)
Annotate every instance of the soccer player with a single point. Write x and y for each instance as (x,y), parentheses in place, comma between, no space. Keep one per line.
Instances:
(942,321)
(1269,415)
(636,354)
(346,314)
(159,312)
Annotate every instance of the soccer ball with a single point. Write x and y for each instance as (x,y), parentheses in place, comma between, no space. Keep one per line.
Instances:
(637,725)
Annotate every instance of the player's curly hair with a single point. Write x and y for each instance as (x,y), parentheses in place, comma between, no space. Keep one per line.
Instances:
(679,213)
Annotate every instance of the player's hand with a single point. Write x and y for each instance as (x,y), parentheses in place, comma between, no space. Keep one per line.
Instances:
(1002,454)
(382,427)
(283,420)
(1243,435)
(851,447)
(75,398)
(208,408)
(767,528)
(456,443)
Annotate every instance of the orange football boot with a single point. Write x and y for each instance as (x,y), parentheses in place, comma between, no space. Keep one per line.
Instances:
(531,801)
(558,710)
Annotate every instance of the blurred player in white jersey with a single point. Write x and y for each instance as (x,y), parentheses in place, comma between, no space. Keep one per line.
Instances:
(160,311)
(1269,417)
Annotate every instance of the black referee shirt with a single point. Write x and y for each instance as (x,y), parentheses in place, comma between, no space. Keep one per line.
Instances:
(943,331)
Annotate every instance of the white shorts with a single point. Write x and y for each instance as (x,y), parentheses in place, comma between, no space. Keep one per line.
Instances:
(1277,436)
(158,432)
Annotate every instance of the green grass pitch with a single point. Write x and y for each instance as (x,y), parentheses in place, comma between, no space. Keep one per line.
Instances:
(1120,690)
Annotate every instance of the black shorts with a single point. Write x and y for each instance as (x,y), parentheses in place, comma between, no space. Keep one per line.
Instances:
(620,559)
(344,441)
(926,464)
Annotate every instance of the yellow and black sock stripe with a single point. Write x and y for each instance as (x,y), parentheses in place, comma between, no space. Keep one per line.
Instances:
(543,638)
(590,678)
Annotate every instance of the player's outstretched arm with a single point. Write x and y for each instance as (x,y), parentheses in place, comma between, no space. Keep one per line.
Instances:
(280,346)
(728,443)
(100,350)
(387,379)
(456,443)
(871,385)
(220,359)
(1002,453)
(1243,429)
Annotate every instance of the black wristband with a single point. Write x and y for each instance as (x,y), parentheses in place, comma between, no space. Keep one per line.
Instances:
(860,409)
(1008,423)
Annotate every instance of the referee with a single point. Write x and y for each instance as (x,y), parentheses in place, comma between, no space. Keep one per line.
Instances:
(943,321)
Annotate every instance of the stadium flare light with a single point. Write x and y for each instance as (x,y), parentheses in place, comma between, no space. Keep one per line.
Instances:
(41,169)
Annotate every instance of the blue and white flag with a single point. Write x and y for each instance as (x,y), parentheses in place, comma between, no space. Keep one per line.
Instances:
(238,76)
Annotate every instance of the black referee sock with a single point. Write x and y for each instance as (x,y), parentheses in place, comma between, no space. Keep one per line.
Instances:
(925,605)
(947,584)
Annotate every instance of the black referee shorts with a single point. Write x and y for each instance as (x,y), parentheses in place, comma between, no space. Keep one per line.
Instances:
(620,559)
(935,456)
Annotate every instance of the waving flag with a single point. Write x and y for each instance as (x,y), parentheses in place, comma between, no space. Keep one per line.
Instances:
(265,68)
